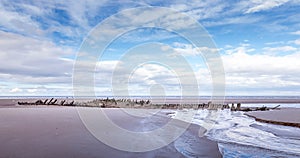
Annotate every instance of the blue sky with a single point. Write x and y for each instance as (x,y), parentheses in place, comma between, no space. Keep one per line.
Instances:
(259,42)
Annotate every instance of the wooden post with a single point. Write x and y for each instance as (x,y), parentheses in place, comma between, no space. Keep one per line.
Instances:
(238,106)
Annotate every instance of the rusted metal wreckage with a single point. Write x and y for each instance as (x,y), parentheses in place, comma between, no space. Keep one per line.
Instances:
(52,101)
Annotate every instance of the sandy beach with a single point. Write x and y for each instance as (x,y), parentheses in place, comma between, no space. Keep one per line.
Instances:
(59,132)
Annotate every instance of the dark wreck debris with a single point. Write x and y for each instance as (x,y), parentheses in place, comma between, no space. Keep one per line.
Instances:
(44,103)
(52,101)
(129,103)
(247,109)
(62,102)
(135,103)
(39,102)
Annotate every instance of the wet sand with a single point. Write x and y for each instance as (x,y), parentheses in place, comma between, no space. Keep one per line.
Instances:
(285,116)
(59,132)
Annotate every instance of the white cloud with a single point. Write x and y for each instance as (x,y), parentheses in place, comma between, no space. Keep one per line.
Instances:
(32,90)
(189,50)
(201,10)
(39,19)
(216,13)
(27,60)
(145,76)
(151,74)
(15,90)
(267,74)
(297,41)
(242,62)
(84,15)
(261,5)
(27,56)
(275,43)
(243,48)
(139,81)
(107,65)
(18,22)
(296,33)
(233,20)
(281,49)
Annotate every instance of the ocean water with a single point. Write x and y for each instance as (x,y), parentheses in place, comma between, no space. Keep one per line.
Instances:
(241,136)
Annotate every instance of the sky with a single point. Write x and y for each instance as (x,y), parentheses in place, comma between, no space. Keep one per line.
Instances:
(258,42)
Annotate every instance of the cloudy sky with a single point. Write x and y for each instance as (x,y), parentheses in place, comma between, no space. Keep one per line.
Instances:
(258,40)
